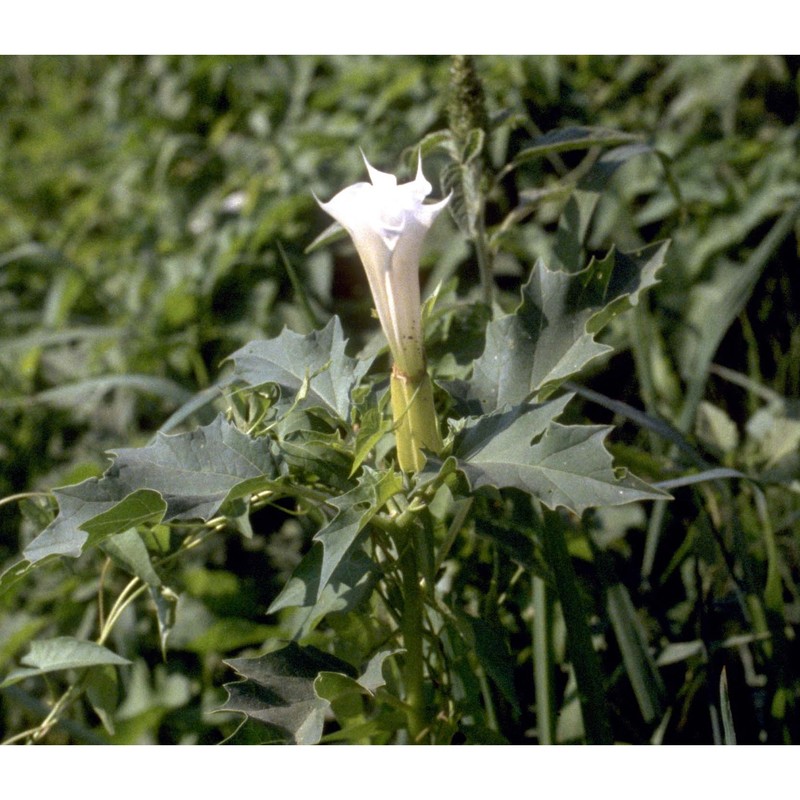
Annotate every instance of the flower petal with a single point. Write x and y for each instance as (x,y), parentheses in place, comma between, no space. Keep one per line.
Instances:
(388,223)
(380,180)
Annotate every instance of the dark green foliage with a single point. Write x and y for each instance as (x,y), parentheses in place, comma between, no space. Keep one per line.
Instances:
(278,690)
(154,218)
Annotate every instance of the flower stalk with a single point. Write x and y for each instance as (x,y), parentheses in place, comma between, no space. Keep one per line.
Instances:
(388,222)
(412,626)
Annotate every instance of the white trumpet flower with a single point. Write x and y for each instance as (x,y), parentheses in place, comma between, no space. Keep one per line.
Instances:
(387,223)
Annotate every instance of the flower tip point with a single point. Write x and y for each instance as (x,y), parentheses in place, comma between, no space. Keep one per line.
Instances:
(373,173)
(320,203)
(419,165)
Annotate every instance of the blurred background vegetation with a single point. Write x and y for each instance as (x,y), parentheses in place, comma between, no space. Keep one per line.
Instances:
(154,213)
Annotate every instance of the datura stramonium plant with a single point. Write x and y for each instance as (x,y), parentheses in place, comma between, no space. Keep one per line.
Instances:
(388,223)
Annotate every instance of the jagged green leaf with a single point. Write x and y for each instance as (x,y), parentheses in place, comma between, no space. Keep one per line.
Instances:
(551,336)
(186,476)
(278,690)
(333,687)
(333,575)
(63,652)
(372,676)
(99,506)
(356,509)
(349,584)
(346,697)
(309,446)
(374,424)
(612,285)
(290,360)
(569,466)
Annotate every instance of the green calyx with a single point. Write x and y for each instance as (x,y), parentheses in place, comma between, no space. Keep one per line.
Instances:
(416,425)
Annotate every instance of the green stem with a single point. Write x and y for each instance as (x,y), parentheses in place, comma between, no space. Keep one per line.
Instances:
(543,663)
(484,262)
(13,498)
(34,705)
(414,671)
